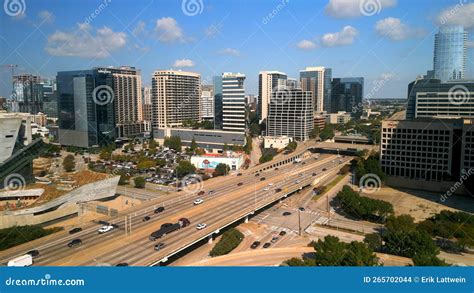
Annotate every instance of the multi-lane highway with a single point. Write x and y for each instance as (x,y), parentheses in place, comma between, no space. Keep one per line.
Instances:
(233,198)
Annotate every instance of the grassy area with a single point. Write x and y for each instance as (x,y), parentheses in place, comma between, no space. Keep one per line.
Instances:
(329,186)
(14,236)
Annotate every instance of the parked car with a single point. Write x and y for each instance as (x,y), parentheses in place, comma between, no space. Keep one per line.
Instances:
(122,264)
(276,169)
(33,253)
(198,201)
(159,246)
(258,174)
(324,169)
(239,174)
(255,244)
(274,240)
(301,209)
(286,213)
(201,226)
(267,245)
(105,229)
(314,174)
(202,192)
(74,242)
(146,218)
(159,210)
(262,179)
(282,233)
(75,230)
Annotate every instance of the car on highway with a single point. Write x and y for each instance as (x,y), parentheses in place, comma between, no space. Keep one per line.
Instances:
(297,181)
(270,184)
(278,190)
(159,246)
(166,225)
(262,179)
(267,245)
(146,218)
(324,169)
(75,230)
(240,184)
(258,174)
(239,174)
(198,201)
(255,244)
(301,209)
(33,253)
(201,226)
(314,174)
(74,242)
(184,222)
(282,233)
(304,163)
(301,174)
(122,264)
(202,192)
(266,189)
(274,239)
(286,213)
(211,192)
(105,229)
(159,210)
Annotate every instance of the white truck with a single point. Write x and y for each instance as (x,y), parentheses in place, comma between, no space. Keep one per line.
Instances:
(21,261)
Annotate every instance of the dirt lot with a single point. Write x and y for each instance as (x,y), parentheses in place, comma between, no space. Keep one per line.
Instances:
(419,204)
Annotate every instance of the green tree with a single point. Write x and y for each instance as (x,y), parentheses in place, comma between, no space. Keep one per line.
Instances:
(184,168)
(221,169)
(292,146)
(314,133)
(329,252)
(193,145)
(173,142)
(373,241)
(139,182)
(228,242)
(327,132)
(69,163)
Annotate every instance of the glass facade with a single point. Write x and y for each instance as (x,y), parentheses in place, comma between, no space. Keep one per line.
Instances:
(450,53)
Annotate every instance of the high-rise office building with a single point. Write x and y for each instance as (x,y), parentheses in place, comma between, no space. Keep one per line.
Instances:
(292,84)
(431,97)
(268,82)
(85,119)
(217,84)
(127,95)
(318,81)
(450,49)
(175,97)
(347,95)
(233,102)
(207,103)
(291,114)
(146,104)
(28,93)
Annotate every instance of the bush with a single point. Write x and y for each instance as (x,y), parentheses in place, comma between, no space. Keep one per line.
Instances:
(229,241)
(21,234)
(69,163)
(139,182)
(221,169)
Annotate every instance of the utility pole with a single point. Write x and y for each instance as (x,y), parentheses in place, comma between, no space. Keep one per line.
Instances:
(299,222)
(328,207)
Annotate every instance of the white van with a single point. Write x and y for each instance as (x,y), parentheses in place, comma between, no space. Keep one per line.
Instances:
(21,261)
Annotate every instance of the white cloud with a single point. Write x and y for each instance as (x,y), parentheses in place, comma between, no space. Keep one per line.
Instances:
(356,8)
(306,45)
(139,28)
(229,52)
(459,14)
(183,63)
(83,43)
(46,16)
(168,30)
(342,38)
(394,29)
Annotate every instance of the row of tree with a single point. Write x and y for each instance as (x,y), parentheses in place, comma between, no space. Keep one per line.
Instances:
(228,242)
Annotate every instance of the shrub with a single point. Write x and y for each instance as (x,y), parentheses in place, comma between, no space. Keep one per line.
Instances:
(229,241)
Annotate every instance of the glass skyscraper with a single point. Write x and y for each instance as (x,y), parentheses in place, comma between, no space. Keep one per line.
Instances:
(450,50)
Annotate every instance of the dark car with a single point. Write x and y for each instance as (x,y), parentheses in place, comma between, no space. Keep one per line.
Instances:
(74,242)
(211,192)
(276,169)
(201,192)
(282,233)
(286,213)
(146,218)
(267,245)
(301,209)
(255,244)
(304,163)
(258,174)
(314,174)
(324,169)
(239,174)
(33,253)
(262,179)
(240,184)
(75,230)
(159,210)
(122,264)
(184,222)
(278,190)
(159,246)
(166,225)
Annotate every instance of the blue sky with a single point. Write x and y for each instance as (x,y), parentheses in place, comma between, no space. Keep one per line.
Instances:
(394,41)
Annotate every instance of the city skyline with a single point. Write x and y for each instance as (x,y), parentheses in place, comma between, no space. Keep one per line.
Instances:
(216,38)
